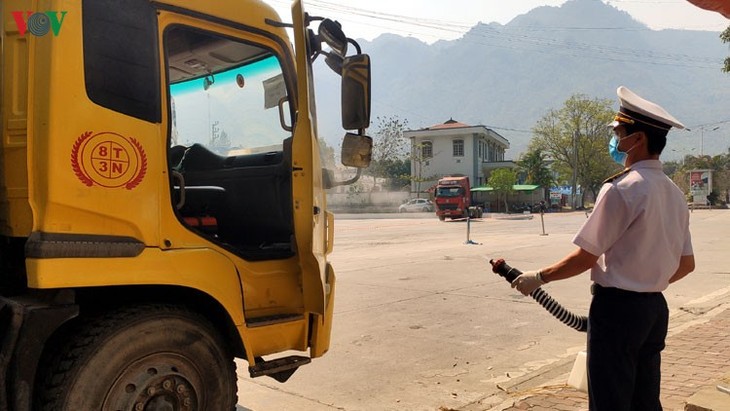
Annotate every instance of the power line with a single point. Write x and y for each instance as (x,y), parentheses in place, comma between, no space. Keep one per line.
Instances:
(524,42)
(716,123)
(508,129)
(602,49)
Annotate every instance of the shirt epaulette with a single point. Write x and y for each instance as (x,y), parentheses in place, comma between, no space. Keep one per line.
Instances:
(617,175)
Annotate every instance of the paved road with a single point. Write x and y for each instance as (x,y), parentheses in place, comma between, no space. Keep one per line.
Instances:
(422,323)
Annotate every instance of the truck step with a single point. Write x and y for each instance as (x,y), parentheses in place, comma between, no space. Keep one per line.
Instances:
(279,369)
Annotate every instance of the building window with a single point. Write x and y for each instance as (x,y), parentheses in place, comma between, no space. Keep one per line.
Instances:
(458,148)
(427,149)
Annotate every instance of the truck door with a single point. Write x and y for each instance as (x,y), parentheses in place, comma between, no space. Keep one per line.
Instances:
(229,152)
(310,216)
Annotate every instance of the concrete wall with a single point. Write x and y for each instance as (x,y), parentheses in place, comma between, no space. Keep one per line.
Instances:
(489,199)
(388,201)
(379,201)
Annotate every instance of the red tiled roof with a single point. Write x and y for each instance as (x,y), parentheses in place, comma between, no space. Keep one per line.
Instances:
(451,123)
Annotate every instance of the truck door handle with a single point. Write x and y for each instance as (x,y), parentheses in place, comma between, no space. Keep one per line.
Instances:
(181,181)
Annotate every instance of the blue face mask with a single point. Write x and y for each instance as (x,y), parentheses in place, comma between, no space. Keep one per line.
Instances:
(618,155)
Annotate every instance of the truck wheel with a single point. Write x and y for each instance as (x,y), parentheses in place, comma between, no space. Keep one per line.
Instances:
(442,218)
(148,357)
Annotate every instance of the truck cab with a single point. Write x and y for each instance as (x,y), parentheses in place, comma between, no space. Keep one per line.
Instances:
(161,183)
(453,199)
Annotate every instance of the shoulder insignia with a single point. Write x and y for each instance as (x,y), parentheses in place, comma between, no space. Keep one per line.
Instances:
(617,175)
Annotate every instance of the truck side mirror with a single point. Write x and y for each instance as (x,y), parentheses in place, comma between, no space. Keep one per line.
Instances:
(331,32)
(357,150)
(356,92)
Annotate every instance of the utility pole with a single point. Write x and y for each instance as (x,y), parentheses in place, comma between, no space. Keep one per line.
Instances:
(575,168)
(702,139)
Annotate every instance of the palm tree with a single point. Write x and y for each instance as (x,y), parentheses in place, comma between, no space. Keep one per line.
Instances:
(534,164)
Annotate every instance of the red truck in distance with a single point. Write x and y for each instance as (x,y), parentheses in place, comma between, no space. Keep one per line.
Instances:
(453,199)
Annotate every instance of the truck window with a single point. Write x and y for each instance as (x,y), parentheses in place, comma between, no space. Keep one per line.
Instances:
(224,94)
(229,153)
(121,63)
(449,192)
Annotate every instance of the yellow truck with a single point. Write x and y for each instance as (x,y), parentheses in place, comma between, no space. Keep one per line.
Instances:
(162,204)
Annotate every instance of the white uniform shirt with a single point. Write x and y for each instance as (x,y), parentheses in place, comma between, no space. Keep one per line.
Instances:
(639,228)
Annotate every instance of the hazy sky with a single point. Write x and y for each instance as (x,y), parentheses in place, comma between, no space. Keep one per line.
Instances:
(431,20)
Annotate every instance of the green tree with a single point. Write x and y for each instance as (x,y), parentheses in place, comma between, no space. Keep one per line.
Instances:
(399,172)
(677,171)
(389,147)
(327,154)
(725,37)
(419,159)
(534,164)
(721,179)
(671,167)
(576,138)
(719,164)
(502,181)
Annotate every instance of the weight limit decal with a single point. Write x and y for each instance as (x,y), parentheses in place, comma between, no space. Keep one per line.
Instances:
(108,160)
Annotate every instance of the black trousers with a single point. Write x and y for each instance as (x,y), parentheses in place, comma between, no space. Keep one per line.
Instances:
(626,333)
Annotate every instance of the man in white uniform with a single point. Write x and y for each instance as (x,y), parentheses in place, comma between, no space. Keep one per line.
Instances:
(635,242)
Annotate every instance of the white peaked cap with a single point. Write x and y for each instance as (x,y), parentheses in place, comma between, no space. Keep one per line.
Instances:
(637,109)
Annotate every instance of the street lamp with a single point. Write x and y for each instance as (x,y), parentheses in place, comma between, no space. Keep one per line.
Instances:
(684,153)
(702,139)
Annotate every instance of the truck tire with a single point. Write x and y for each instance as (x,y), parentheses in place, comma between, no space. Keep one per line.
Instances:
(148,357)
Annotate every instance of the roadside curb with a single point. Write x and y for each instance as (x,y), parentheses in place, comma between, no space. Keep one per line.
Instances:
(548,373)
(548,377)
(544,386)
(712,398)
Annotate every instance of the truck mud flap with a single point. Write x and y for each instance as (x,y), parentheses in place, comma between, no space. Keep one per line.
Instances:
(10,322)
(25,324)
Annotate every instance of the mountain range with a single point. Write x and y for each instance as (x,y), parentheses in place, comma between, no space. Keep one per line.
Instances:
(506,77)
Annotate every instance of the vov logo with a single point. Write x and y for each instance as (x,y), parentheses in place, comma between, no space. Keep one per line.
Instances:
(39,23)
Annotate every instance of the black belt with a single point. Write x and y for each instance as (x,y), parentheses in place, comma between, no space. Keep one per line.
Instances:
(597,289)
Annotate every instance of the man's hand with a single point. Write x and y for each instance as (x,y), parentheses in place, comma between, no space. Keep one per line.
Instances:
(528,282)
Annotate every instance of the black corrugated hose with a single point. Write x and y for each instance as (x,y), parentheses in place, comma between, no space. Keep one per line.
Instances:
(576,322)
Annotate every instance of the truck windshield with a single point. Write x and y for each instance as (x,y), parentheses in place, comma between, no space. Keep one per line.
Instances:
(224,94)
(449,191)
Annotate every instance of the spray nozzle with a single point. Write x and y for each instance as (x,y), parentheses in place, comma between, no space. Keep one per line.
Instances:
(504,270)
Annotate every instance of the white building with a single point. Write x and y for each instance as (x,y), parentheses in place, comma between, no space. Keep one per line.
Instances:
(455,148)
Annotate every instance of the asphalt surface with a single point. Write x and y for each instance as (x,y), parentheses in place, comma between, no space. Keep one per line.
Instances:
(421,323)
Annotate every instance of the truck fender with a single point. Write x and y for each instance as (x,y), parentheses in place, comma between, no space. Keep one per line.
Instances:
(26,323)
